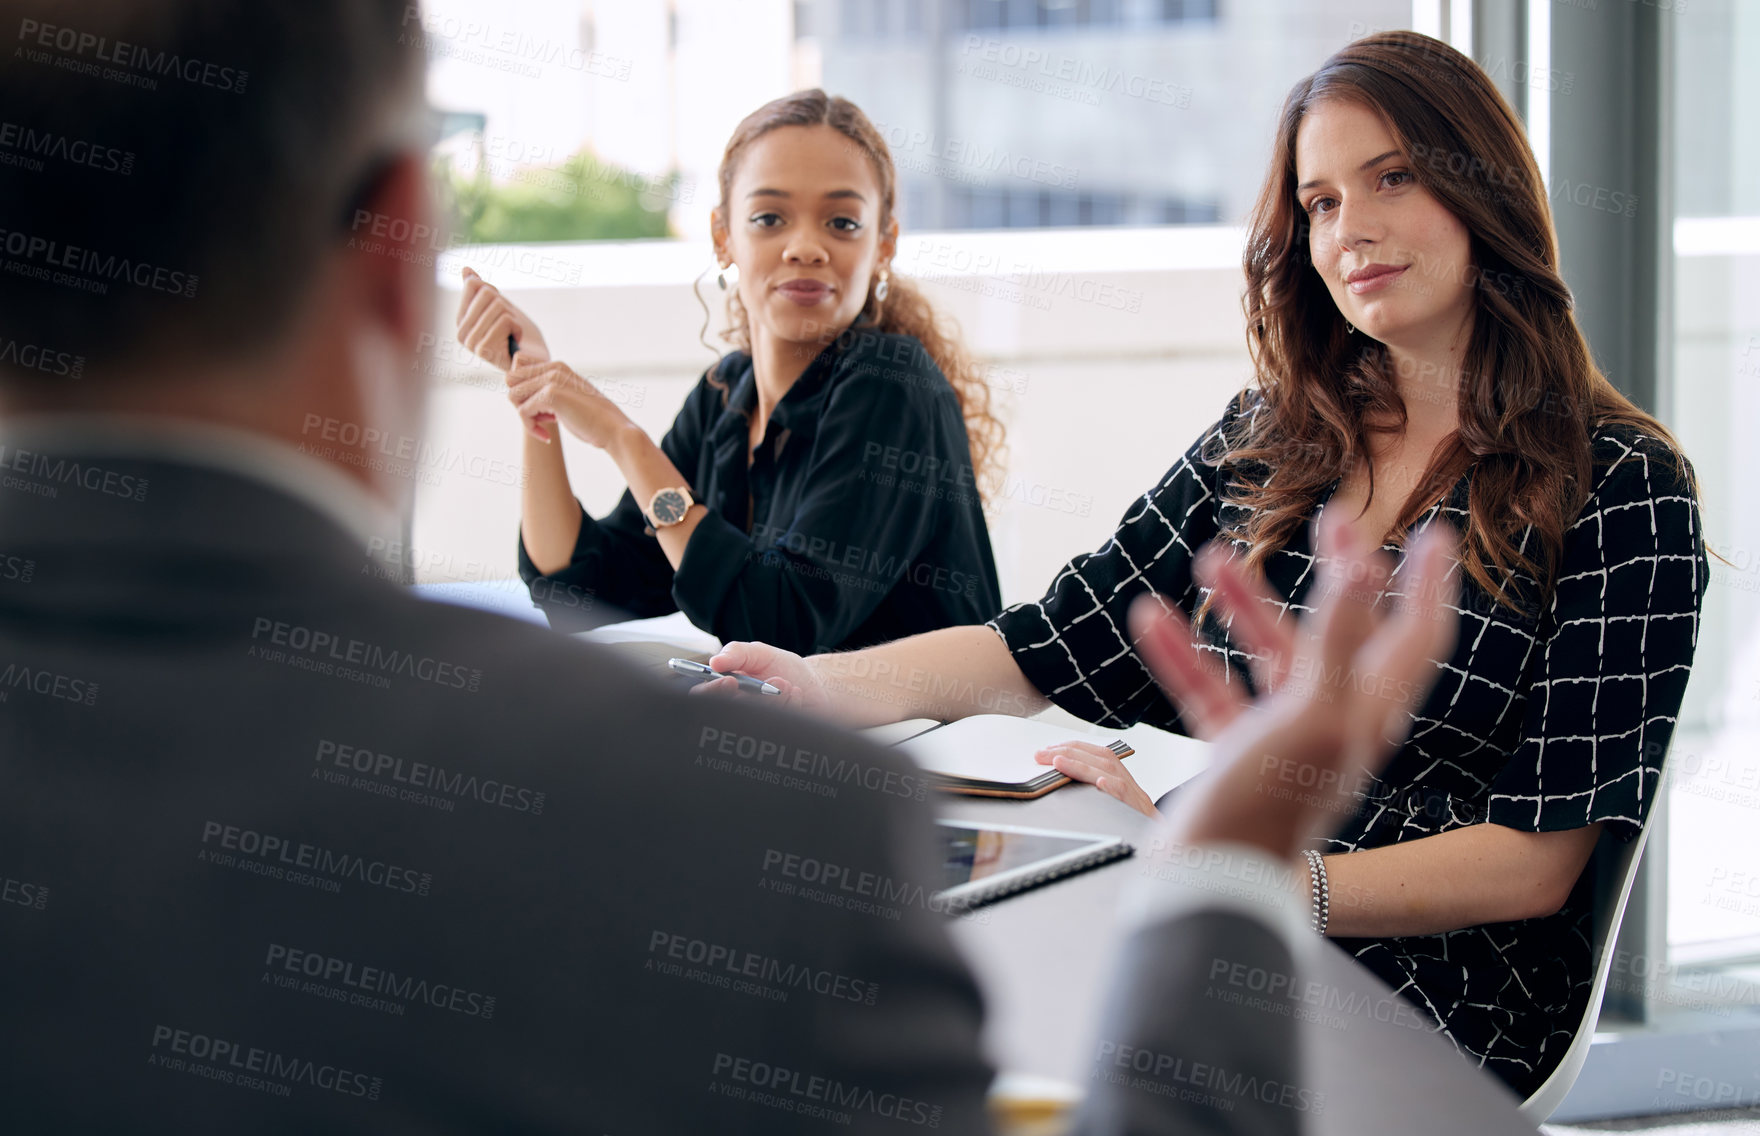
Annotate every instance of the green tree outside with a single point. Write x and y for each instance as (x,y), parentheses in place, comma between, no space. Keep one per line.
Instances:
(582,199)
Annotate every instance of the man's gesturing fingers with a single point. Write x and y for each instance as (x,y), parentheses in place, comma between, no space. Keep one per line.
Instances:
(1203,694)
(1410,641)
(1258,620)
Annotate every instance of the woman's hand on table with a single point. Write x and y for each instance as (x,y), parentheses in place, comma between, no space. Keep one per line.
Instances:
(1099,767)
(803,688)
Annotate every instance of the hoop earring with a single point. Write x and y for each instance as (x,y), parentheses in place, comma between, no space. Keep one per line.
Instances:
(727,277)
(1349,328)
(882,288)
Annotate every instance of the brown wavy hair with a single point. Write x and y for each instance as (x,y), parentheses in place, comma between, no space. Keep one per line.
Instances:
(906,311)
(1530,394)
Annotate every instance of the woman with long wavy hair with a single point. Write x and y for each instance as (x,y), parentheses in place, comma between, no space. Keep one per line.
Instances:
(1416,364)
(822,486)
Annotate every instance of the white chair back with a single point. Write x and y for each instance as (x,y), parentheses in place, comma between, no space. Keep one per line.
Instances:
(1610,908)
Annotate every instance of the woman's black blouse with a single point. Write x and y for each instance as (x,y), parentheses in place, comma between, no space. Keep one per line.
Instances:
(1541,720)
(857,521)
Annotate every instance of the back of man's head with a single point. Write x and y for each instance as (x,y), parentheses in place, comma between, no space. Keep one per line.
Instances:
(172,172)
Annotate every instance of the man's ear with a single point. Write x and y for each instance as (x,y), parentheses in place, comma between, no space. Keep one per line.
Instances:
(393,241)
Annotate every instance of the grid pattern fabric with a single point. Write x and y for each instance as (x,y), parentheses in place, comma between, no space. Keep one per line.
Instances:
(1542,720)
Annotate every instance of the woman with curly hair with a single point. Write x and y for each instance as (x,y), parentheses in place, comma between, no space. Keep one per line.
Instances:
(821,487)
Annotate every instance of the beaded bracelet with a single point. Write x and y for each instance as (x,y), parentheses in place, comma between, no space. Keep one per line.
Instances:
(1322,894)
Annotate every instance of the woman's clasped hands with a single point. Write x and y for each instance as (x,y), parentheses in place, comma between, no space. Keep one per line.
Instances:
(541,389)
(550,392)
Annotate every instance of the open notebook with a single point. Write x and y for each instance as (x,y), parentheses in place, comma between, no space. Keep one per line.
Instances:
(648,643)
(991,755)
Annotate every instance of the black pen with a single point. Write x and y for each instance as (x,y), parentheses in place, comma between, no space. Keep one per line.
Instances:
(704,670)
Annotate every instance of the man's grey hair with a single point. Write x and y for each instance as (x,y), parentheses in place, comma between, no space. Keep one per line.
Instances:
(172,171)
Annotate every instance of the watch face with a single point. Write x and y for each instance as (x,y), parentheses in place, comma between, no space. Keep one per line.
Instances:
(669,507)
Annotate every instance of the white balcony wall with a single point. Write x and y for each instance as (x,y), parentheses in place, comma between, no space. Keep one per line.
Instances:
(1111,370)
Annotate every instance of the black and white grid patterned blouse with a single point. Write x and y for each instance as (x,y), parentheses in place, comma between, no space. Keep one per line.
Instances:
(1539,723)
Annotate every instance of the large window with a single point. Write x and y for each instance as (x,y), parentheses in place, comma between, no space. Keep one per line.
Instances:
(568,118)
(1714,842)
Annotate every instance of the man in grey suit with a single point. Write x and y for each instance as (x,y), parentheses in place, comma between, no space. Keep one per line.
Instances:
(283,849)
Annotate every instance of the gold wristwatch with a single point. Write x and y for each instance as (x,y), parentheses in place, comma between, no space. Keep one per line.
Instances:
(668,507)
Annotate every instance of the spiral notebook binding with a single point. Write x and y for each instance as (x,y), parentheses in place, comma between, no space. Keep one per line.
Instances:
(1003,890)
